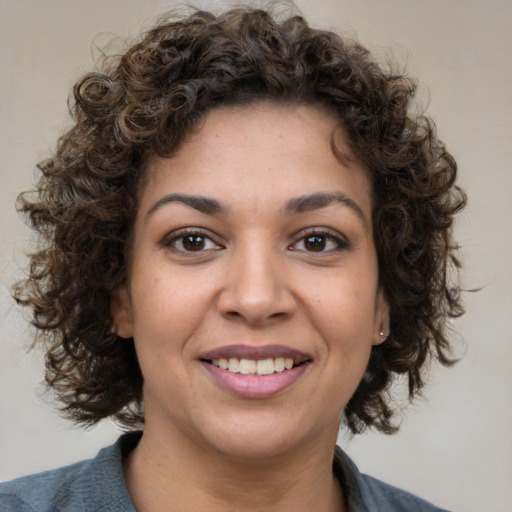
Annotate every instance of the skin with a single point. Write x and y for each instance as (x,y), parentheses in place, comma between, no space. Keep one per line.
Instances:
(256,278)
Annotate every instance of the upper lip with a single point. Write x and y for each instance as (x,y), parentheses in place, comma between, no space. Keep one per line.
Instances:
(242,351)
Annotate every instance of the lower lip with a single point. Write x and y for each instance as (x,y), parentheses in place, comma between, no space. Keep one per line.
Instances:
(255,386)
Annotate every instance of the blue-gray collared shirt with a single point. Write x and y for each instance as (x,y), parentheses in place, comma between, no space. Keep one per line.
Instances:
(98,485)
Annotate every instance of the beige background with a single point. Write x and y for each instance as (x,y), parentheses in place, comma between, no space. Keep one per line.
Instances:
(455,448)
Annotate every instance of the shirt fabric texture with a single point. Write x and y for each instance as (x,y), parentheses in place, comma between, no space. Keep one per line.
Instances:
(98,485)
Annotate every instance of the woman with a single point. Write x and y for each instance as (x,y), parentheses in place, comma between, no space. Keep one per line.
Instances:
(245,237)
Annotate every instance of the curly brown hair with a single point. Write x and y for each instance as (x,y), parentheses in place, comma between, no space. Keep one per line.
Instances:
(144,103)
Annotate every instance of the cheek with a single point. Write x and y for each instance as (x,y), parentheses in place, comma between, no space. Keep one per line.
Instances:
(344,314)
(344,307)
(348,338)
(168,306)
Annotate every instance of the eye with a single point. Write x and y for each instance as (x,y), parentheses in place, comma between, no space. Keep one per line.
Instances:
(190,241)
(320,242)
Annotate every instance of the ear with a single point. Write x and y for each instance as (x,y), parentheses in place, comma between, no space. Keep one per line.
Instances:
(381,318)
(121,310)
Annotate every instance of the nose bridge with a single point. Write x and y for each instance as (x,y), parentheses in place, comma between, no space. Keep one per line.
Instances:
(256,288)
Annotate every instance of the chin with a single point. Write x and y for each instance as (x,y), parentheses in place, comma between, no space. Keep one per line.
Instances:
(255,448)
(259,438)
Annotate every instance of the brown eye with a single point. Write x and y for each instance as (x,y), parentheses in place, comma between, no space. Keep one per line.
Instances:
(193,242)
(320,242)
(315,243)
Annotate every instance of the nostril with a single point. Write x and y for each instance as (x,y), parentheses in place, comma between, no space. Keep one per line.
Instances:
(255,300)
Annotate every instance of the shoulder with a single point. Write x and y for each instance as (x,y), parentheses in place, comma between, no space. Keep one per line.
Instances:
(365,493)
(96,484)
(58,489)
(395,499)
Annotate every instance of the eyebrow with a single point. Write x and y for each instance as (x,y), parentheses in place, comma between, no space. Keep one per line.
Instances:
(201,203)
(319,200)
(297,205)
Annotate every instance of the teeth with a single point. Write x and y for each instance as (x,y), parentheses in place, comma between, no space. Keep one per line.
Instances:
(265,366)
(247,366)
(279,364)
(253,366)
(234,365)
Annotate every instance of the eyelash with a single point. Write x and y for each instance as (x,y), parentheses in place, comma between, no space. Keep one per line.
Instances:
(175,238)
(323,236)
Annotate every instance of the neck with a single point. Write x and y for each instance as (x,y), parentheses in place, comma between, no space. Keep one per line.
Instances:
(161,473)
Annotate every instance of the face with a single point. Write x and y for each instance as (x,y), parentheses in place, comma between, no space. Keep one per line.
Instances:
(252,296)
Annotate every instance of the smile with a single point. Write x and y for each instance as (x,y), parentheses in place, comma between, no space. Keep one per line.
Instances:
(255,371)
(253,366)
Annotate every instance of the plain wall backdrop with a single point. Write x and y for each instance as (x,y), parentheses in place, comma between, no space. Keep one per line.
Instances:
(455,447)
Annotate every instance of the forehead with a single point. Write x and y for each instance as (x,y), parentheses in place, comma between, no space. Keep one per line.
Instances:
(261,151)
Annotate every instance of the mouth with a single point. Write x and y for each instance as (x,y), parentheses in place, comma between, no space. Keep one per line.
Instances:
(255,366)
(259,360)
(255,371)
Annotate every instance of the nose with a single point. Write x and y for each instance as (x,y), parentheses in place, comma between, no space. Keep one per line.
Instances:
(256,289)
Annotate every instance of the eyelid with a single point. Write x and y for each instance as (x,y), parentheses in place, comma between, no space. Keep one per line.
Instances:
(329,233)
(180,233)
